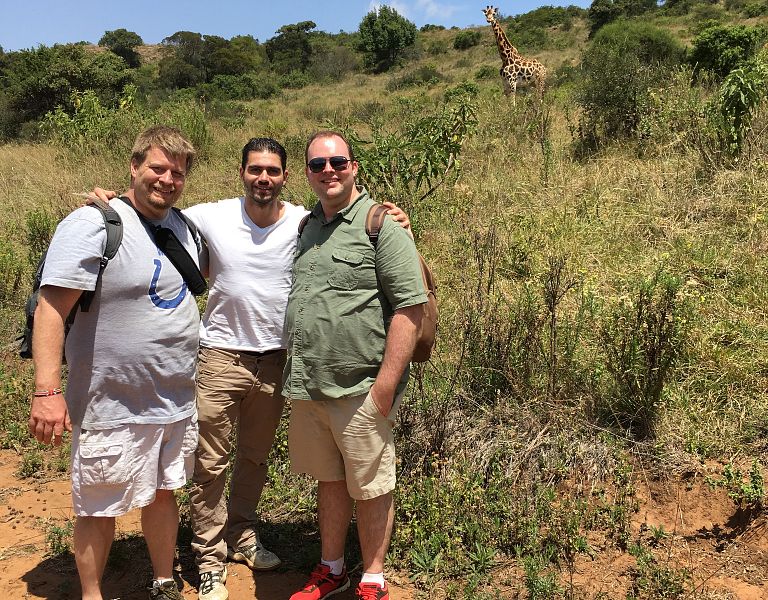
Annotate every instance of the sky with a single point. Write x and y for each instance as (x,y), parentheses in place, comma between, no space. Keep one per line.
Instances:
(31,23)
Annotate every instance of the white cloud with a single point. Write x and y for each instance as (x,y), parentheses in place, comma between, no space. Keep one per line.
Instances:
(426,9)
(401,7)
(430,8)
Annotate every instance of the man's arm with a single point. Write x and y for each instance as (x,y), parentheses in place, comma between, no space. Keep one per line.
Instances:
(401,341)
(48,416)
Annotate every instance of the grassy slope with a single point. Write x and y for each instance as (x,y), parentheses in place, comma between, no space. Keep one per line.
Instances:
(491,487)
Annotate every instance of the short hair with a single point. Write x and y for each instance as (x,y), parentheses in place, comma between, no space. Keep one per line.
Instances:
(166,138)
(326,133)
(264,144)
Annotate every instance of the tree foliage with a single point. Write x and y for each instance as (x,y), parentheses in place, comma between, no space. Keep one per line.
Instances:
(200,58)
(291,50)
(466,39)
(723,48)
(123,43)
(36,81)
(384,37)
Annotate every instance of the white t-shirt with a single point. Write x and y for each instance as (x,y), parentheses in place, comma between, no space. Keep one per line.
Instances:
(249,275)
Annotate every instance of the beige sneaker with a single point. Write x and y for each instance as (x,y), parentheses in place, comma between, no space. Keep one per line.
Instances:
(212,585)
(256,556)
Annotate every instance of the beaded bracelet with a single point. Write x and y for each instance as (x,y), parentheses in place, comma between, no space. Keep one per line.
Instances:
(50,392)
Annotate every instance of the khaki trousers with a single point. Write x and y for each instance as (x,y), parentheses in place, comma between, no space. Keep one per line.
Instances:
(235,392)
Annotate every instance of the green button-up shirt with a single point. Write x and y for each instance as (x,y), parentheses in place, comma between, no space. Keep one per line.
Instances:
(343,296)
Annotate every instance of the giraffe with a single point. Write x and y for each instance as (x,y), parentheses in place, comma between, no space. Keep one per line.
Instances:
(515,68)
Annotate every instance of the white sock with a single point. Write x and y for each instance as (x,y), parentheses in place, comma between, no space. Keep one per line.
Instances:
(373,578)
(337,566)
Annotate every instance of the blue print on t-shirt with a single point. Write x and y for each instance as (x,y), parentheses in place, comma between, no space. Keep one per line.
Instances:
(155,297)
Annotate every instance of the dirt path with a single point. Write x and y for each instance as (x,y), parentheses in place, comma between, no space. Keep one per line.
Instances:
(30,509)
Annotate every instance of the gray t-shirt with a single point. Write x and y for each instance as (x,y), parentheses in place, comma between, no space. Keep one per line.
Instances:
(132,356)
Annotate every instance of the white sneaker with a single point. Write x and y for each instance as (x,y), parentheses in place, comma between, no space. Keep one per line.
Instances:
(212,585)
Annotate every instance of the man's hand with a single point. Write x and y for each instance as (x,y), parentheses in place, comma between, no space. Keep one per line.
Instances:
(49,418)
(101,194)
(382,400)
(399,216)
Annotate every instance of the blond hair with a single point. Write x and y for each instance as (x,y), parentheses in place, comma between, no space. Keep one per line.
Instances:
(169,139)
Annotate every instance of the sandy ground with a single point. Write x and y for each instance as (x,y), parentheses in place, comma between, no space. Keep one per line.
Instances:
(723,550)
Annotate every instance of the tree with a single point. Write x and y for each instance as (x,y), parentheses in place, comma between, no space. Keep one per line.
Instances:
(123,43)
(291,50)
(384,36)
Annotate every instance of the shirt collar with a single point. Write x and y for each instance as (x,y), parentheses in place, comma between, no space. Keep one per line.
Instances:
(347,213)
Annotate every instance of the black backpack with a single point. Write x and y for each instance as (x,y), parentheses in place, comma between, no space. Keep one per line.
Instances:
(114,227)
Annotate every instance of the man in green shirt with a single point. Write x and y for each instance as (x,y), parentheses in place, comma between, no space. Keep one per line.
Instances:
(352,320)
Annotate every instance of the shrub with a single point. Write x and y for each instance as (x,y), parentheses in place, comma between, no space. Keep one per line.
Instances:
(602,12)
(755,9)
(624,59)
(722,48)
(486,72)
(642,339)
(424,75)
(466,39)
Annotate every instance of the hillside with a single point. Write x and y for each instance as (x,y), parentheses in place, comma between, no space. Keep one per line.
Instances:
(593,423)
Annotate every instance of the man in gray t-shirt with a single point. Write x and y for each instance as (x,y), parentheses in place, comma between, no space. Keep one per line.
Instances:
(130,398)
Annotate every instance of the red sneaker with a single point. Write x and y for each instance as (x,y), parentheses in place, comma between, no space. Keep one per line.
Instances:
(372,591)
(322,584)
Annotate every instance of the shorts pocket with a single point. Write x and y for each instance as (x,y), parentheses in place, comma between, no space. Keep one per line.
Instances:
(212,363)
(103,463)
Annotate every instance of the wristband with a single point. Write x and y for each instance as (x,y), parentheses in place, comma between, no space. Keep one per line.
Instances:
(49,392)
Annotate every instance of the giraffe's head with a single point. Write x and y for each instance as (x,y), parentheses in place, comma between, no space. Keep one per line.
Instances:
(490,12)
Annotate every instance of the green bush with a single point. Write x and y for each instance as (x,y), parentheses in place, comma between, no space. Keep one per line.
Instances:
(425,75)
(755,9)
(466,39)
(723,48)
(486,72)
(624,60)
(602,12)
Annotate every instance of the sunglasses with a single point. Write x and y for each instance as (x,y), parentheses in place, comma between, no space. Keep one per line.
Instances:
(338,163)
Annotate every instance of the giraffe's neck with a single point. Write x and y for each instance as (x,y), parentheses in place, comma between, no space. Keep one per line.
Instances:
(502,42)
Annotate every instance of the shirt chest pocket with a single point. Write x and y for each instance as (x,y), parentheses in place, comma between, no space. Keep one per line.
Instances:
(346,270)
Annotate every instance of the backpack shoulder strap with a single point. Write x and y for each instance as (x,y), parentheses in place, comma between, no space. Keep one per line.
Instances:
(303,222)
(374,221)
(113,225)
(199,241)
